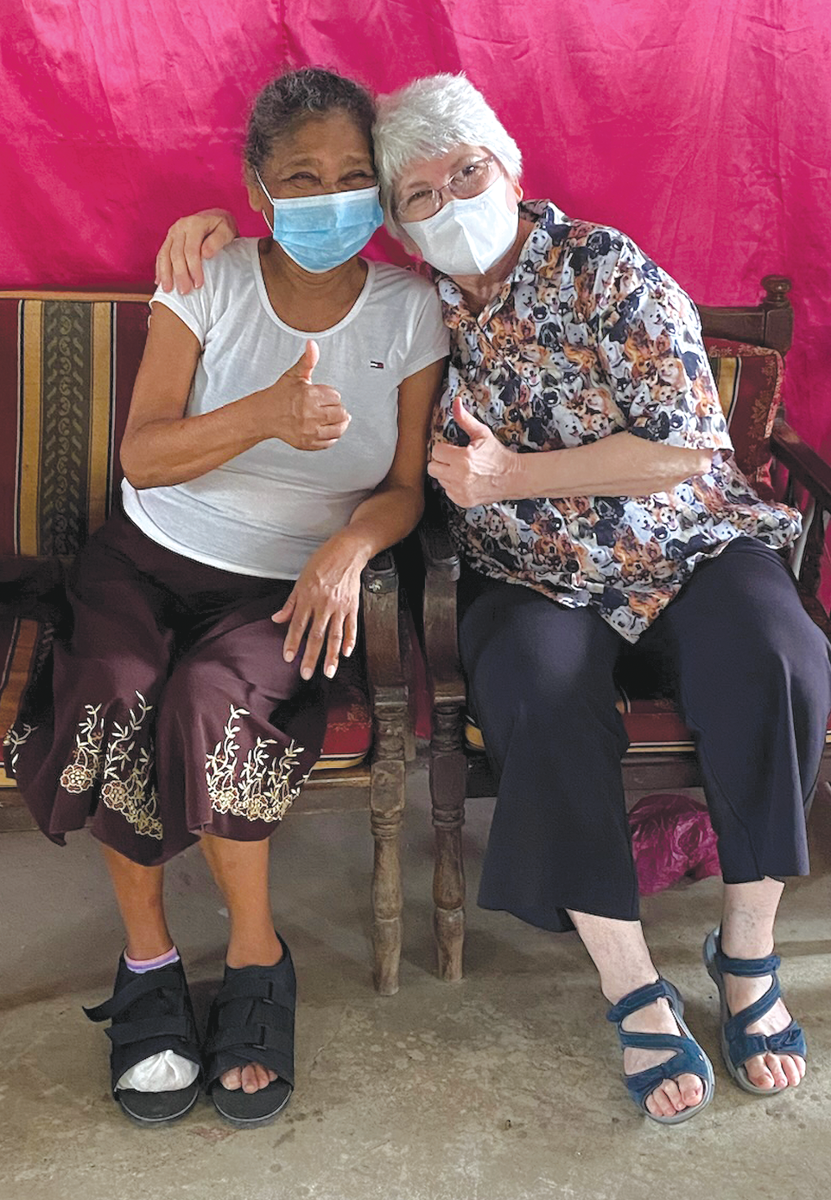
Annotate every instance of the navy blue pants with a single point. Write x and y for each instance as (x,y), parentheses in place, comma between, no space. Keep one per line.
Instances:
(751,675)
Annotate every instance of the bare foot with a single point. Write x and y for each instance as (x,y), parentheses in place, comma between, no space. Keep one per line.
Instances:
(673,1095)
(764,1070)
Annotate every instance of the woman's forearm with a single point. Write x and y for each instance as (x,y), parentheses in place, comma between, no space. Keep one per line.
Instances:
(167,451)
(384,518)
(618,465)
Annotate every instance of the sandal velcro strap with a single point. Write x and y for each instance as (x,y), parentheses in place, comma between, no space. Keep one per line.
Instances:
(747,967)
(689,1059)
(641,997)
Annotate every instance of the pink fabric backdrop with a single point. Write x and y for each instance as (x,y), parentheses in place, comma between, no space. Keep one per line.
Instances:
(702,129)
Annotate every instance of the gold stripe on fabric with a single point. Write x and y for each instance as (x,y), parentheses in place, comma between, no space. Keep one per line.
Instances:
(109,297)
(339,762)
(20,665)
(727,381)
(99,416)
(31,358)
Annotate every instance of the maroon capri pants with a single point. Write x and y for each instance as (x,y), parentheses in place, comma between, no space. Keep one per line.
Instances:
(168,710)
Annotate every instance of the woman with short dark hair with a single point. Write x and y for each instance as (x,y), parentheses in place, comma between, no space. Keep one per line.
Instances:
(276,441)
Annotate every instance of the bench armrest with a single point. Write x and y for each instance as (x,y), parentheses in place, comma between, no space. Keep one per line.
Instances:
(442,567)
(804,464)
(379,593)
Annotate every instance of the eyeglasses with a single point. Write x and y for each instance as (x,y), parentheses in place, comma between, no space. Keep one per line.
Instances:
(469,181)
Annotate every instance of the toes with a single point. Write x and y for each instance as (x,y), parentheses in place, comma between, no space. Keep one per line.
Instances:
(232,1080)
(692,1090)
(666,1100)
(674,1096)
(249,1079)
(793,1069)
(758,1073)
(774,1064)
(255,1076)
(263,1075)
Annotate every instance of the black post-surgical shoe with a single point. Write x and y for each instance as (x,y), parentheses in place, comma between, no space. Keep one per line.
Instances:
(252,1021)
(150,1012)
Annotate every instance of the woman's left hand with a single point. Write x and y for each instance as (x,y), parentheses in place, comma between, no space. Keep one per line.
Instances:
(323,605)
(478,473)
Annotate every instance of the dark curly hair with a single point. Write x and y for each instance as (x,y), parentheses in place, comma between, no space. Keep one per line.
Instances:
(291,98)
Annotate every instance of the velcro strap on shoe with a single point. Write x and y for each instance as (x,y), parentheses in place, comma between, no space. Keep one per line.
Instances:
(640,998)
(748,967)
(736,1025)
(255,987)
(150,981)
(131,1032)
(790,1040)
(743,1046)
(247,1038)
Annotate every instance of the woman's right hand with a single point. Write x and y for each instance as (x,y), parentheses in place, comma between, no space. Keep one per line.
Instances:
(188,241)
(306,415)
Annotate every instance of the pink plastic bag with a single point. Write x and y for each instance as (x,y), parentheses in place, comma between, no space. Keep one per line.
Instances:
(671,838)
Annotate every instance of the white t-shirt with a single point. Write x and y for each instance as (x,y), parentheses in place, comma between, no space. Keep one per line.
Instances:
(267,510)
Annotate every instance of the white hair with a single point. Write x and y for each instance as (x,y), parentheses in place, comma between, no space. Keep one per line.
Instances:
(427,118)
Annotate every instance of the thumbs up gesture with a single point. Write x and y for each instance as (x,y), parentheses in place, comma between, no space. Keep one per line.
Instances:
(305,414)
(479,473)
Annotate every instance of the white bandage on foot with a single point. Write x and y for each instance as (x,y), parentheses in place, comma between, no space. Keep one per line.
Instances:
(166,1071)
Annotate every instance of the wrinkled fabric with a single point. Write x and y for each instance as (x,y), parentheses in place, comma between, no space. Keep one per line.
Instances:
(701,130)
(672,837)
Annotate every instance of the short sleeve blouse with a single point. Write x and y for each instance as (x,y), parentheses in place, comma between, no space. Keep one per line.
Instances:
(588,337)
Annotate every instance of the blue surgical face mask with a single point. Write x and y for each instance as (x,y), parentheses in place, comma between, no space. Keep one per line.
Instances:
(322,232)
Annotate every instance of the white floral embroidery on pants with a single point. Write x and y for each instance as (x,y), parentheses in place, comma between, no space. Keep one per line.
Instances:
(14,740)
(261,790)
(124,770)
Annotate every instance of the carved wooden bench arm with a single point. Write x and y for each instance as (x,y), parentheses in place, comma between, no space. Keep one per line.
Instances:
(806,468)
(441,564)
(379,592)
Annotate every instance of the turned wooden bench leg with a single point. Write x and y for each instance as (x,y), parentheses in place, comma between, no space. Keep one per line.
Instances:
(386,813)
(448,777)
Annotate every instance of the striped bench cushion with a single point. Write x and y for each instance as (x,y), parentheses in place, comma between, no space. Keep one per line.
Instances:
(749,382)
(652,725)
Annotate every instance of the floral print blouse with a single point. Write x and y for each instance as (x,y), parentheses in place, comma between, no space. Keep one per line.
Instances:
(588,337)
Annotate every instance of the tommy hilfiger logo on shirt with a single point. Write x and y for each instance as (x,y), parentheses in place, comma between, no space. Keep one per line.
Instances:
(379,366)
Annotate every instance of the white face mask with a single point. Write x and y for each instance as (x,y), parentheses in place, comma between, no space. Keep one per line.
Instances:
(467,237)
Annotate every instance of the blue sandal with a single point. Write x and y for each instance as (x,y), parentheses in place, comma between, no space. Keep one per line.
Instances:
(689,1058)
(737,1046)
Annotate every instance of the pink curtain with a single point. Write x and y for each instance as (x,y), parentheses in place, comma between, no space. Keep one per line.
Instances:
(701,128)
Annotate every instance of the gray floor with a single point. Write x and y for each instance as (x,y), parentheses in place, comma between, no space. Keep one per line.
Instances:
(504,1087)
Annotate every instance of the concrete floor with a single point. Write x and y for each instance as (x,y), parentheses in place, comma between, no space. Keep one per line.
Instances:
(504,1087)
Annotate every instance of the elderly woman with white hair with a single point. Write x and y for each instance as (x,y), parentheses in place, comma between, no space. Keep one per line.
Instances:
(590,488)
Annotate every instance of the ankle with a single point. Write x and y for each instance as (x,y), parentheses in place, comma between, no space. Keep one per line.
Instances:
(746,943)
(249,951)
(614,989)
(144,949)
